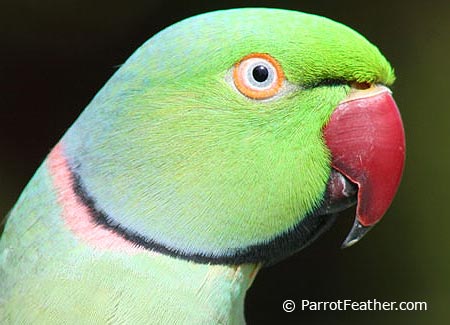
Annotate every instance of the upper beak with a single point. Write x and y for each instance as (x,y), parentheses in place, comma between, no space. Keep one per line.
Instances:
(366,139)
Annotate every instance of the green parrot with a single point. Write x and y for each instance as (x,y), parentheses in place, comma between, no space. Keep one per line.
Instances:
(225,143)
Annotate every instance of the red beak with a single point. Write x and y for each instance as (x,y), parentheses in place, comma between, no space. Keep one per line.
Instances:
(367,142)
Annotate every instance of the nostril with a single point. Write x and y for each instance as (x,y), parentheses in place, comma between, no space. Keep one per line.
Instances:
(361,85)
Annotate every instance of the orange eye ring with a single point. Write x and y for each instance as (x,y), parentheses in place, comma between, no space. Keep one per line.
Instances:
(258,76)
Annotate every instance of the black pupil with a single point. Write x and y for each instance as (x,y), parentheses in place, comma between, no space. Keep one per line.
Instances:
(260,73)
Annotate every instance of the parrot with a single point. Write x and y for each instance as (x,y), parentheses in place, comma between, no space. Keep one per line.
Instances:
(227,142)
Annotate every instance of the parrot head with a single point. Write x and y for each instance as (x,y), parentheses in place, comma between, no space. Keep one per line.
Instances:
(236,136)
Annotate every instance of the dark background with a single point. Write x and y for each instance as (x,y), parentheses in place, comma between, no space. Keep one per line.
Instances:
(55,55)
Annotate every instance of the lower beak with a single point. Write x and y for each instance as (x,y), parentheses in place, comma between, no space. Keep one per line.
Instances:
(366,139)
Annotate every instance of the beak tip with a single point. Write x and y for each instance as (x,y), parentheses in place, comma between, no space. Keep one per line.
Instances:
(347,243)
(356,233)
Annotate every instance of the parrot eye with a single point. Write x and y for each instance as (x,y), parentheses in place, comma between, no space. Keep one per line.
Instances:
(258,76)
